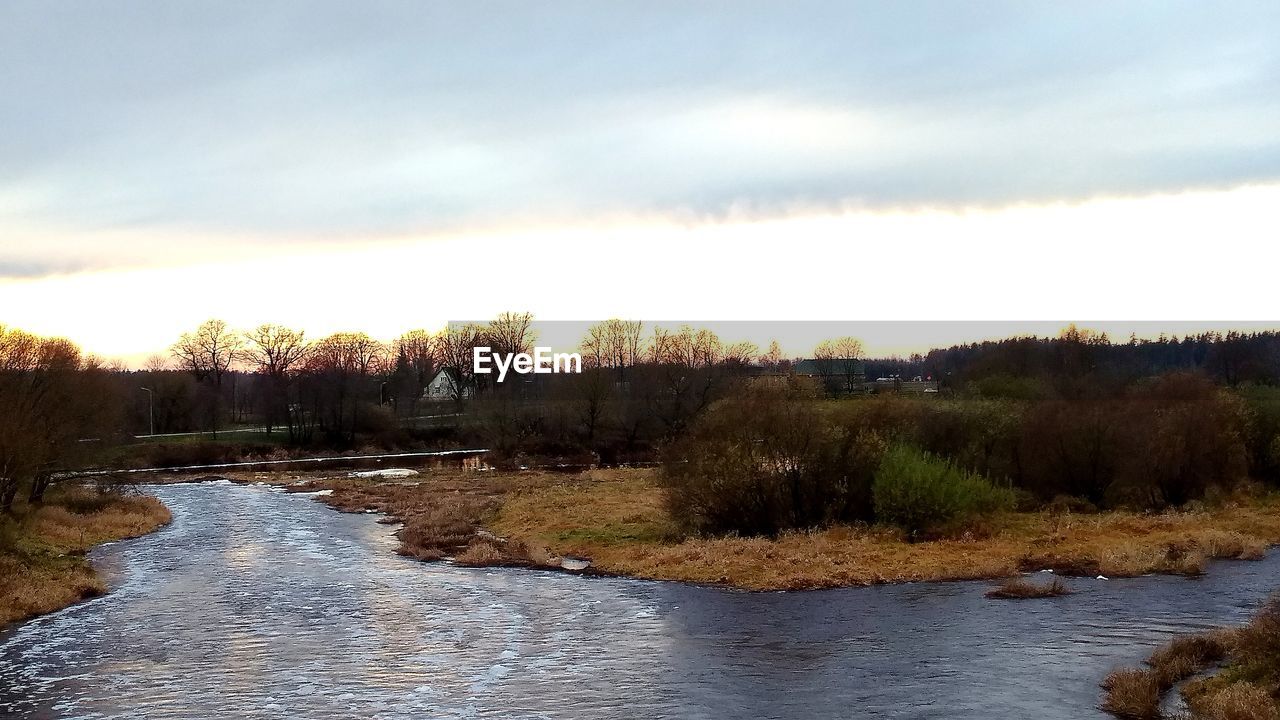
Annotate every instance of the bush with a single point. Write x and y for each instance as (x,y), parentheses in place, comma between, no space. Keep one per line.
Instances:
(767,459)
(1183,435)
(922,493)
(1262,437)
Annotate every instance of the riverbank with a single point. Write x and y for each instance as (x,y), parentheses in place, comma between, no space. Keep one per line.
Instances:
(43,564)
(1225,674)
(616,519)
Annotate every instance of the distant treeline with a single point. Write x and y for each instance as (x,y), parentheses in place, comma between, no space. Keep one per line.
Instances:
(1082,363)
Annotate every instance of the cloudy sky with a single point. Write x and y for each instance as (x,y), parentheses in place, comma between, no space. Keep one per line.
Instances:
(388,165)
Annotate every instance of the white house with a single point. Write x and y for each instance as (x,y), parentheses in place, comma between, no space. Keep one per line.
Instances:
(444,386)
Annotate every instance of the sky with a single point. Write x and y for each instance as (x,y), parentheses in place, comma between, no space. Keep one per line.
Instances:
(390,165)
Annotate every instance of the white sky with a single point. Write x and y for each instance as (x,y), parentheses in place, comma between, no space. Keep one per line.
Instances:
(1189,260)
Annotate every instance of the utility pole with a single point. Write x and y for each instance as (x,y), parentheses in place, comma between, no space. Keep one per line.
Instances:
(151,409)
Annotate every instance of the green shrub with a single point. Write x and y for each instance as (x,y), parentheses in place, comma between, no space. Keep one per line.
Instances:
(921,493)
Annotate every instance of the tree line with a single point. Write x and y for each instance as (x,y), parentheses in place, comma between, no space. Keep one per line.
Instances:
(1072,416)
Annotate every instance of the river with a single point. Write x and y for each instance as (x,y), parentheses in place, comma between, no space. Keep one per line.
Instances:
(259,603)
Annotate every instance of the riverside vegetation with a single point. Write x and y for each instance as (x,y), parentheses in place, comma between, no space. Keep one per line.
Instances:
(1231,674)
(42,546)
(621,520)
(1070,453)
(775,487)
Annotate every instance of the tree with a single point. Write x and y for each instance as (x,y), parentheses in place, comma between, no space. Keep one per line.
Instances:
(511,333)
(772,358)
(208,354)
(276,351)
(417,359)
(456,344)
(339,367)
(614,343)
(209,351)
(839,359)
(51,398)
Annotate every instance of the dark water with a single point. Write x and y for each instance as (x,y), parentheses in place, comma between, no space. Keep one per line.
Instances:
(255,603)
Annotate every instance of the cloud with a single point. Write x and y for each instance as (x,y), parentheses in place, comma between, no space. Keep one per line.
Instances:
(21,269)
(332,122)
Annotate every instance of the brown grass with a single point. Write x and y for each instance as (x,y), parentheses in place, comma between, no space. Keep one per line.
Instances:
(481,552)
(442,512)
(1185,656)
(1247,687)
(1136,693)
(617,519)
(42,564)
(1237,701)
(1132,693)
(1022,589)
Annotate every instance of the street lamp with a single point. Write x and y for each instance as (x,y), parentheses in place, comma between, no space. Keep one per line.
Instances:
(151,409)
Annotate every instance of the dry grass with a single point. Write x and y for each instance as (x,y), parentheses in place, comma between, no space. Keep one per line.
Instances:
(1244,691)
(1238,701)
(1022,589)
(481,552)
(1185,656)
(442,512)
(617,518)
(1133,694)
(1247,687)
(42,564)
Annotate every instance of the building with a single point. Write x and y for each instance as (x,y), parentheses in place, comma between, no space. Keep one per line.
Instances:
(444,386)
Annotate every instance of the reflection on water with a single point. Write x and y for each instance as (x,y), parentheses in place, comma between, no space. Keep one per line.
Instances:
(256,603)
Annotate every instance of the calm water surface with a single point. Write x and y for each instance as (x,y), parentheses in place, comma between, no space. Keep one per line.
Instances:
(256,603)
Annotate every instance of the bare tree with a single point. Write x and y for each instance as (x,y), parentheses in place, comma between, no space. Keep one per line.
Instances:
(417,359)
(340,367)
(208,354)
(840,360)
(456,344)
(276,351)
(511,333)
(209,351)
(772,358)
(614,343)
(740,353)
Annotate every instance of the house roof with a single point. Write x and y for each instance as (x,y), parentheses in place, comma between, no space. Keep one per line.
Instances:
(449,372)
(816,367)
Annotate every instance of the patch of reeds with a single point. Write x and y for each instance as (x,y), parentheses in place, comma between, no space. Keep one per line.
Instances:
(1134,693)
(1023,589)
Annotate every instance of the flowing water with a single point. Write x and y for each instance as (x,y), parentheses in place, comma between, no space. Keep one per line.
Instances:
(258,603)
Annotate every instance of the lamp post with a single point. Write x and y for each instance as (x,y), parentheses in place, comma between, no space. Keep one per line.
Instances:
(151,409)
